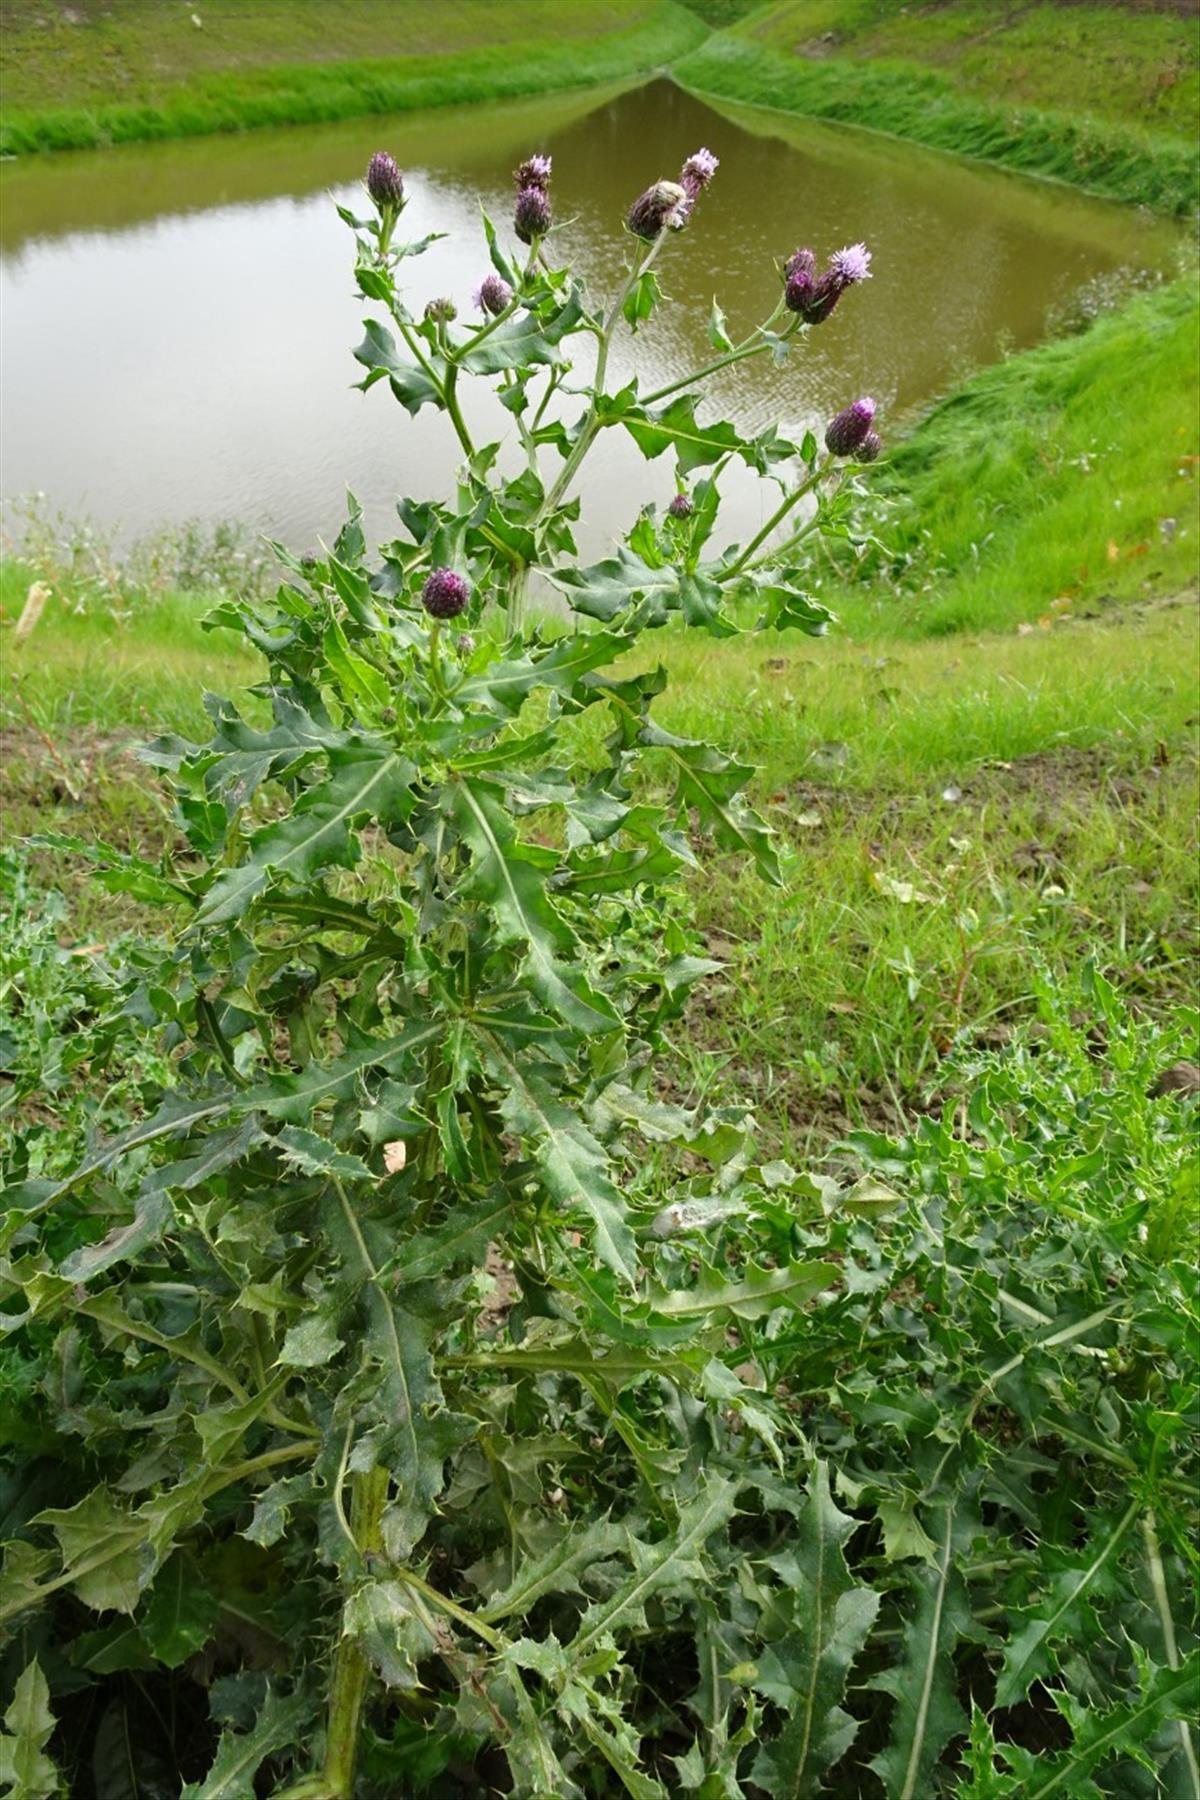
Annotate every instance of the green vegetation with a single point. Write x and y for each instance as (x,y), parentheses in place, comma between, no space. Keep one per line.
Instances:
(303,63)
(985,82)
(1063,478)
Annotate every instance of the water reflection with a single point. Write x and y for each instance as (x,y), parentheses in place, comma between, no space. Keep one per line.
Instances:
(177,319)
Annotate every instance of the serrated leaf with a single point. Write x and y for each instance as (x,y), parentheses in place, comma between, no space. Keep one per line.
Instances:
(558,1569)
(315,1155)
(409,383)
(524,340)
(152,1215)
(643,296)
(29,1726)
(1102,1735)
(571,1165)
(927,1713)
(503,687)
(281,1724)
(805,1671)
(511,878)
(712,782)
(1059,1611)
(391,1634)
(180,1613)
(365,781)
(310,1343)
(718,330)
(104,1551)
(755,1292)
(674,427)
(608,589)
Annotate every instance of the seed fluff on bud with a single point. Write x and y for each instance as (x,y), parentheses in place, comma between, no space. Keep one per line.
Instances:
(665,206)
(445,594)
(531,218)
(845,433)
(385,183)
(493,295)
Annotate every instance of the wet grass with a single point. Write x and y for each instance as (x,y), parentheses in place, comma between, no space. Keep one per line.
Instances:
(128,72)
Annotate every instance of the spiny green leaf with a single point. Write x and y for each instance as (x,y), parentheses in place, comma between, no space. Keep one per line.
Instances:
(29,1724)
(712,782)
(282,1724)
(365,781)
(674,427)
(804,1672)
(755,1292)
(511,877)
(180,1613)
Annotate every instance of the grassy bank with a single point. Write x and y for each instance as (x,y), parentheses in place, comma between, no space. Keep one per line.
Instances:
(984,82)
(1062,479)
(131,72)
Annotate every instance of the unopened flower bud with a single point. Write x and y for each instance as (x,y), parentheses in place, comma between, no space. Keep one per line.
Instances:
(663,206)
(870,447)
(532,216)
(464,643)
(445,594)
(442,311)
(310,562)
(533,172)
(493,295)
(845,433)
(385,183)
(681,507)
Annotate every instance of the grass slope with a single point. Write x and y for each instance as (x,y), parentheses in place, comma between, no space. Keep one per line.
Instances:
(130,72)
(985,81)
(1065,477)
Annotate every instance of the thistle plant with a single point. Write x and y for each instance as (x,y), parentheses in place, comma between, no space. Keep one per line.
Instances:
(428,944)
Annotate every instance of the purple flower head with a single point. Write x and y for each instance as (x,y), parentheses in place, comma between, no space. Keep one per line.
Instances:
(493,295)
(851,265)
(846,432)
(533,172)
(385,183)
(681,507)
(870,447)
(663,206)
(814,296)
(445,594)
(442,310)
(697,172)
(532,216)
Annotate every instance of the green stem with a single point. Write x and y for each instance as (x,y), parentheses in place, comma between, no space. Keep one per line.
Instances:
(748,347)
(781,512)
(1162,1600)
(351,1670)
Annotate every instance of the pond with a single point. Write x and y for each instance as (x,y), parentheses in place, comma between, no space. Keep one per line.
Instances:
(177,319)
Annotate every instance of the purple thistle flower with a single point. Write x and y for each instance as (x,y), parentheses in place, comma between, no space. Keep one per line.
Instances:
(663,206)
(445,594)
(799,279)
(851,265)
(441,311)
(848,430)
(533,172)
(493,295)
(532,216)
(385,183)
(681,507)
(697,172)
(869,449)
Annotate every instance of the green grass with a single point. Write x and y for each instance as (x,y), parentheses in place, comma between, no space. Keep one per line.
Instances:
(1063,478)
(948,810)
(985,82)
(131,72)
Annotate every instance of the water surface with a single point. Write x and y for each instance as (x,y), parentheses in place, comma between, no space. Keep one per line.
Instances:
(177,319)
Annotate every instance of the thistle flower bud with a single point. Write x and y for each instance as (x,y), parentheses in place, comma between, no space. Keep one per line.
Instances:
(534,172)
(493,295)
(814,296)
(532,216)
(445,594)
(464,643)
(681,507)
(697,172)
(845,433)
(869,449)
(385,183)
(441,311)
(665,206)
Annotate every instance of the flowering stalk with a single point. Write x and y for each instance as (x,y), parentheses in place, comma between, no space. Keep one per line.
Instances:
(781,511)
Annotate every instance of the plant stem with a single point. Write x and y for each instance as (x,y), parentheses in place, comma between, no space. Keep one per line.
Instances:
(748,347)
(351,1671)
(781,512)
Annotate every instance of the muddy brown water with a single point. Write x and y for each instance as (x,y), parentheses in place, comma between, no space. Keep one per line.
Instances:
(177,319)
